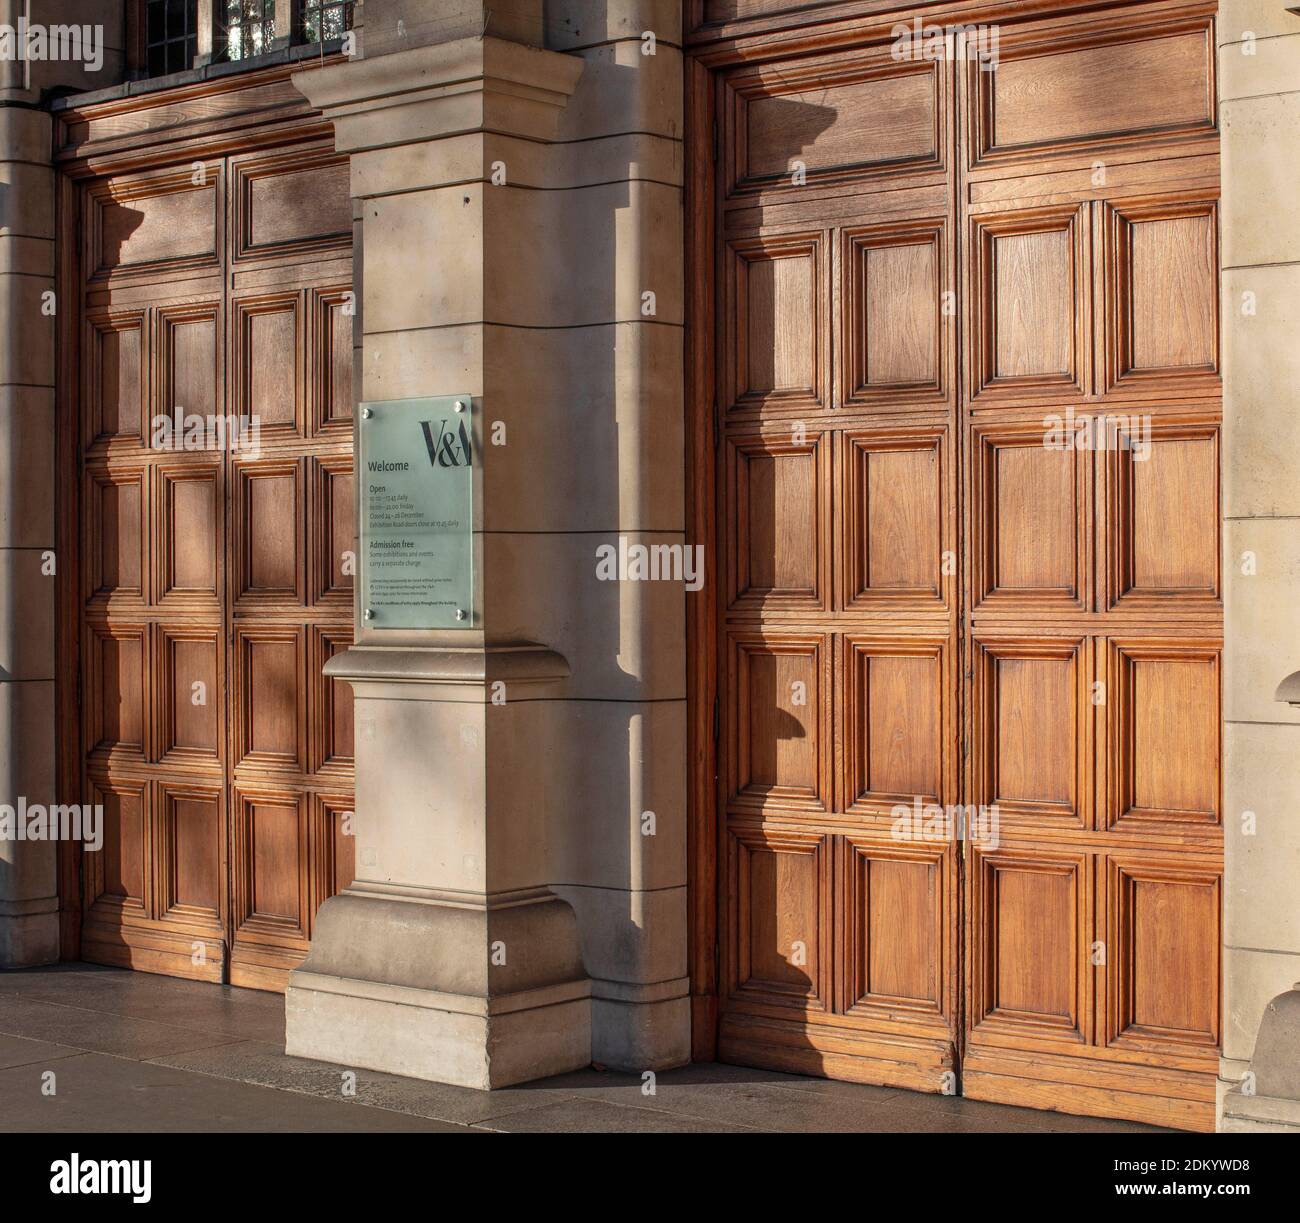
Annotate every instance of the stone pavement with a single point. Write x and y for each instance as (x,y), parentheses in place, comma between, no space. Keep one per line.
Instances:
(131,1052)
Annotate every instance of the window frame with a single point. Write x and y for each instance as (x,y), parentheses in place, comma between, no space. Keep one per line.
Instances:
(189,40)
(210,35)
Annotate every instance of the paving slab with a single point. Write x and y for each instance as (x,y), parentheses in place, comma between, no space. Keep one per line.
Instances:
(573,1116)
(719,1072)
(239,1014)
(98,1094)
(268,1066)
(735,1096)
(20,1051)
(97,1031)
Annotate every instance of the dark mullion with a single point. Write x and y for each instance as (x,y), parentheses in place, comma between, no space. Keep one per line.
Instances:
(297,25)
(170,35)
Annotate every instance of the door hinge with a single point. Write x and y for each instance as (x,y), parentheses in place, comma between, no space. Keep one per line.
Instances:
(717,958)
(715,142)
(78,687)
(717,723)
(717,425)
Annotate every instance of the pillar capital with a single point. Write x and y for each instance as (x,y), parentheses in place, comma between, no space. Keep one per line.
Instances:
(445,89)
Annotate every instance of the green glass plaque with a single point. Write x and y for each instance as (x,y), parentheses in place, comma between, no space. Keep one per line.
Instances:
(418,460)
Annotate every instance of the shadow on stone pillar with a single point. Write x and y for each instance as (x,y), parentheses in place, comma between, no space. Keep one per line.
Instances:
(29,890)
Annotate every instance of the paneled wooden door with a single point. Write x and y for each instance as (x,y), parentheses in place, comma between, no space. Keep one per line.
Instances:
(966,372)
(216,580)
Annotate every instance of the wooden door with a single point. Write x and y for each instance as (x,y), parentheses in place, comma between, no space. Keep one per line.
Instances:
(216,579)
(837,406)
(1094,613)
(967,406)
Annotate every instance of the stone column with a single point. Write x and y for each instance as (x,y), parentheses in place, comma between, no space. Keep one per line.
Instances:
(614,389)
(520,233)
(1259,114)
(29,900)
(449,958)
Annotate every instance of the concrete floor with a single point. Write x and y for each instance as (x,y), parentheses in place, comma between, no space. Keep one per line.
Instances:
(131,1052)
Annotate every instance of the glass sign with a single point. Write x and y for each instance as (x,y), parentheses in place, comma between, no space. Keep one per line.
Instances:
(417,513)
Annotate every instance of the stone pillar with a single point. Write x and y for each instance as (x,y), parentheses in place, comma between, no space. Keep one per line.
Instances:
(449,958)
(1259,114)
(615,389)
(29,899)
(521,239)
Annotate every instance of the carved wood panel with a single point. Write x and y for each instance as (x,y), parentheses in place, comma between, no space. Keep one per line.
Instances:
(780,545)
(895,935)
(1072,88)
(781,750)
(777,317)
(217,564)
(1030,540)
(781,949)
(893,520)
(1031,913)
(1163,918)
(896,345)
(1031,730)
(894,705)
(1029,302)
(832,119)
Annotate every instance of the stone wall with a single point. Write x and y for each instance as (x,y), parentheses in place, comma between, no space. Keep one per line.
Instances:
(29,928)
(1259,112)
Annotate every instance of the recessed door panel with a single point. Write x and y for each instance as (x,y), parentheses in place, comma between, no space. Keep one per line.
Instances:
(775,312)
(781,883)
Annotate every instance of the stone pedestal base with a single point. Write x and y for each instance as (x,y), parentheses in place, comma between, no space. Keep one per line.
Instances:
(641,1031)
(476,991)
(1273,1103)
(1259,1115)
(445,1038)
(29,932)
